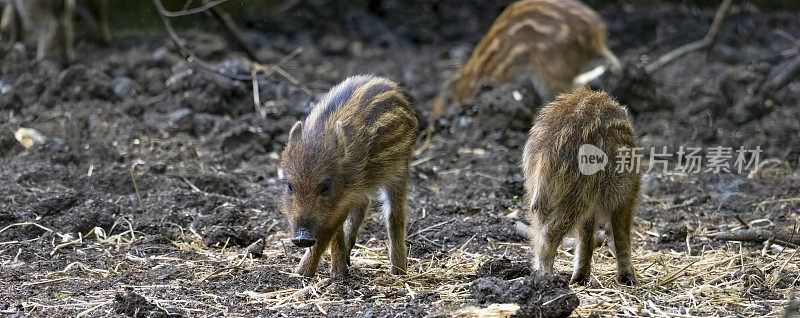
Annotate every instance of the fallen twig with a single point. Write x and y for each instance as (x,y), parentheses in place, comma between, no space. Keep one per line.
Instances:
(136,189)
(294,81)
(707,41)
(686,203)
(267,72)
(87,311)
(68,243)
(786,74)
(757,236)
(754,106)
(304,291)
(672,277)
(191,185)
(761,205)
(422,160)
(429,228)
(218,272)
(46,281)
(25,223)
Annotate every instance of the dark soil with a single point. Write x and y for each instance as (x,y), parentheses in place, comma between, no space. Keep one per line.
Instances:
(539,295)
(177,167)
(134,305)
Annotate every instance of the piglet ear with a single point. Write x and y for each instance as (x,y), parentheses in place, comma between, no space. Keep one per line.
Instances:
(296,133)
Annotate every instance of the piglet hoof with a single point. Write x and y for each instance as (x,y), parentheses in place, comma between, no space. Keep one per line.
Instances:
(304,272)
(581,280)
(627,278)
(398,271)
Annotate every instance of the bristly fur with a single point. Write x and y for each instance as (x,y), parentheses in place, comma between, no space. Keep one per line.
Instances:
(549,41)
(561,197)
(358,139)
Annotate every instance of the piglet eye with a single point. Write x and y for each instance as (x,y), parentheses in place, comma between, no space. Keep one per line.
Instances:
(289,188)
(325,188)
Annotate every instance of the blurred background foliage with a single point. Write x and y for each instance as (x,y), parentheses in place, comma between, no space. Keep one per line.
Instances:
(419,20)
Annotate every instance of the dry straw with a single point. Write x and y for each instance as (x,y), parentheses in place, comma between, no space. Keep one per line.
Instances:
(726,281)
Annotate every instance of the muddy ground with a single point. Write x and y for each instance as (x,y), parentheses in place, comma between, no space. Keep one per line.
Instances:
(156,191)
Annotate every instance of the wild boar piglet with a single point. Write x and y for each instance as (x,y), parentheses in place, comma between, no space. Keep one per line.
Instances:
(356,142)
(548,42)
(576,178)
(49,25)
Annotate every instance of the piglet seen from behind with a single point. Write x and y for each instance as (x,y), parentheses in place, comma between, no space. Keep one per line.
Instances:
(567,194)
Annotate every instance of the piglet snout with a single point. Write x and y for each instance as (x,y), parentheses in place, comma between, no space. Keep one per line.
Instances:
(302,238)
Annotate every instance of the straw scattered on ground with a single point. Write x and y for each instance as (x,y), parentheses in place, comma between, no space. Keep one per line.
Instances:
(730,280)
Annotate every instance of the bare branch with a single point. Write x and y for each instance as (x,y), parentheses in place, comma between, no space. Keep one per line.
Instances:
(789,72)
(184,12)
(182,49)
(707,41)
(24,15)
(753,106)
(187,4)
(226,21)
(758,235)
(193,59)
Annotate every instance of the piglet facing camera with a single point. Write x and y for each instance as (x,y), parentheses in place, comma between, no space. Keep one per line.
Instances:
(357,142)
